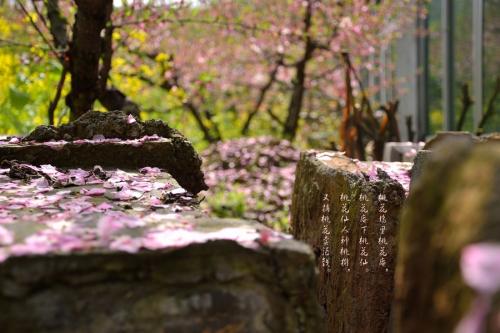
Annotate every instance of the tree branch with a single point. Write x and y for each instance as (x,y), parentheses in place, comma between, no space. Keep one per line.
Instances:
(39,31)
(55,101)
(296,99)
(490,108)
(262,95)
(466,104)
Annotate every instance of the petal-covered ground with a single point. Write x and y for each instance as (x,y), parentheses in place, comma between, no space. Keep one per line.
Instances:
(253,178)
(50,210)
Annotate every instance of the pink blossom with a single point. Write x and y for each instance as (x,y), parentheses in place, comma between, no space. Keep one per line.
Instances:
(93,192)
(126,194)
(154,201)
(41,183)
(104,206)
(108,225)
(480,264)
(126,243)
(131,119)
(150,171)
(141,186)
(76,206)
(69,243)
(40,243)
(161,186)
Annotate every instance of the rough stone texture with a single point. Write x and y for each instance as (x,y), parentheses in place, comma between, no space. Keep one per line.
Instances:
(356,298)
(217,286)
(418,164)
(112,124)
(77,257)
(450,136)
(459,137)
(454,203)
(176,155)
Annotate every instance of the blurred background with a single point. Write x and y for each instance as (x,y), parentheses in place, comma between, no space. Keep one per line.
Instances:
(252,82)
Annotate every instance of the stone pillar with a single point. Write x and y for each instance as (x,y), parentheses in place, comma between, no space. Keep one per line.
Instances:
(348,211)
(453,211)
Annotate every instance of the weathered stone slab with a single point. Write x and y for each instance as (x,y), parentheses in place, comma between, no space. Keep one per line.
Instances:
(176,155)
(448,273)
(110,139)
(348,211)
(123,251)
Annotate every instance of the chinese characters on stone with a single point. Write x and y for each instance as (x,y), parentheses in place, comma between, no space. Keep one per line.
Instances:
(344,234)
(382,240)
(363,238)
(325,234)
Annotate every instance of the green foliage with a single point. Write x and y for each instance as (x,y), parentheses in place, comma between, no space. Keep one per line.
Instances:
(227,204)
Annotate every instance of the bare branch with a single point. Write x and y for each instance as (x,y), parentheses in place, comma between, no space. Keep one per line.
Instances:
(57,97)
(466,104)
(490,108)
(262,95)
(40,32)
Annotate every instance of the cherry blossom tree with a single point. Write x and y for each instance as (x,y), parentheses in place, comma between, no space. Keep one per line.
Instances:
(239,55)
(227,64)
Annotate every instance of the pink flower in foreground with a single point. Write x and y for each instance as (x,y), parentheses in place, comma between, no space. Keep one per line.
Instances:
(480,264)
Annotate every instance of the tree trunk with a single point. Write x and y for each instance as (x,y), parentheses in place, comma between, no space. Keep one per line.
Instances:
(86,48)
(295,106)
(349,214)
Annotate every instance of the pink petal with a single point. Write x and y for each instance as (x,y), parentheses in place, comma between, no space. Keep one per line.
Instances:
(125,195)
(104,206)
(480,264)
(131,119)
(107,226)
(126,243)
(161,186)
(93,192)
(150,171)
